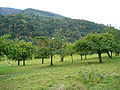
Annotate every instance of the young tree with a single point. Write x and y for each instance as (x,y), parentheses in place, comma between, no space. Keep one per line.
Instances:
(15,49)
(70,50)
(116,34)
(52,49)
(21,51)
(81,47)
(49,47)
(57,46)
(60,46)
(42,47)
(97,42)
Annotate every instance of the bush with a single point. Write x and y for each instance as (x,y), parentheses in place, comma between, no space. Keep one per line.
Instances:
(96,79)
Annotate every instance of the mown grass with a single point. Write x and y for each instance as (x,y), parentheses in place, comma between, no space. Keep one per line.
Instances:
(62,76)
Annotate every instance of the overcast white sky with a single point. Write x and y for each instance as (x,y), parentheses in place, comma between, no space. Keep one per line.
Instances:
(99,11)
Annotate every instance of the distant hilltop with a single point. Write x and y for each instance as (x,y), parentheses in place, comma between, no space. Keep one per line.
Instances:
(8,11)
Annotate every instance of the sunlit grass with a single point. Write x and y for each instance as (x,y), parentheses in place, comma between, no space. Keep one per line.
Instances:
(35,76)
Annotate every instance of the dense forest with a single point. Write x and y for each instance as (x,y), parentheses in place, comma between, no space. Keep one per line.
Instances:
(29,23)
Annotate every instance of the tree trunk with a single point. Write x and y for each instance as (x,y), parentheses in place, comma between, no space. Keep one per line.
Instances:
(23,62)
(81,56)
(18,62)
(109,55)
(42,60)
(72,57)
(61,58)
(85,56)
(99,55)
(51,57)
(117,53)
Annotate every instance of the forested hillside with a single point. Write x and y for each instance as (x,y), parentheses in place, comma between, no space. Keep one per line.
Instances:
(30,23)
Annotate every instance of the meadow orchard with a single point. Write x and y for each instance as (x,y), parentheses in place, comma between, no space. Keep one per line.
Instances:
(80,74)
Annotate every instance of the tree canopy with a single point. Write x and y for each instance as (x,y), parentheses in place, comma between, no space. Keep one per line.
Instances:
(99,43)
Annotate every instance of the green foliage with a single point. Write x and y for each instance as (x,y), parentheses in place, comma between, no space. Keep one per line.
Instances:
(56,44)
(4,43)
(60,43)
(91,76)
(3,57)
(99,43)
(96,42)
(40,13)
(15,49)
(21,50)
(116,34)
(70,49)
(49,46)
(42,50)
(30,23)
(96,79)
(81,46)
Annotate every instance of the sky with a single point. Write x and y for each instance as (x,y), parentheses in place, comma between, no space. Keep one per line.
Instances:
(99,11)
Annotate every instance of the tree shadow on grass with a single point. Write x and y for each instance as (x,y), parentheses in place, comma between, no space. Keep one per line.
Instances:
(67,63)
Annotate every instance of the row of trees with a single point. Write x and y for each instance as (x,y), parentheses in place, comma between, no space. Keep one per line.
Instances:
(106,42)
(44,47)
(48,47)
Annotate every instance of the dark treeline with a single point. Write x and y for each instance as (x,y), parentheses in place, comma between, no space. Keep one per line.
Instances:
(45,47)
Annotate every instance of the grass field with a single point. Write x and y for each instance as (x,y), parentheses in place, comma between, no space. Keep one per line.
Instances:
(80,75)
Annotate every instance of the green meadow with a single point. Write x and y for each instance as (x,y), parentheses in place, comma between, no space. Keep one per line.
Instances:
(86,74)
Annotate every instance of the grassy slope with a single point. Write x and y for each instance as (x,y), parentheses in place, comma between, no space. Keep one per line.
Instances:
(35,76)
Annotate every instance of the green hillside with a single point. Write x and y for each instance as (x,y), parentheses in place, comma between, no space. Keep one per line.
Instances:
(30,23)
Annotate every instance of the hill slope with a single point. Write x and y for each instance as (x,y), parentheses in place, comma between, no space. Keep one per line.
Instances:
(28,11)
(8,11)
(40,13)
(30,23)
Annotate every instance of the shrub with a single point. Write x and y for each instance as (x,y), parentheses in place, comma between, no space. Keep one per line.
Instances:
(95,78)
